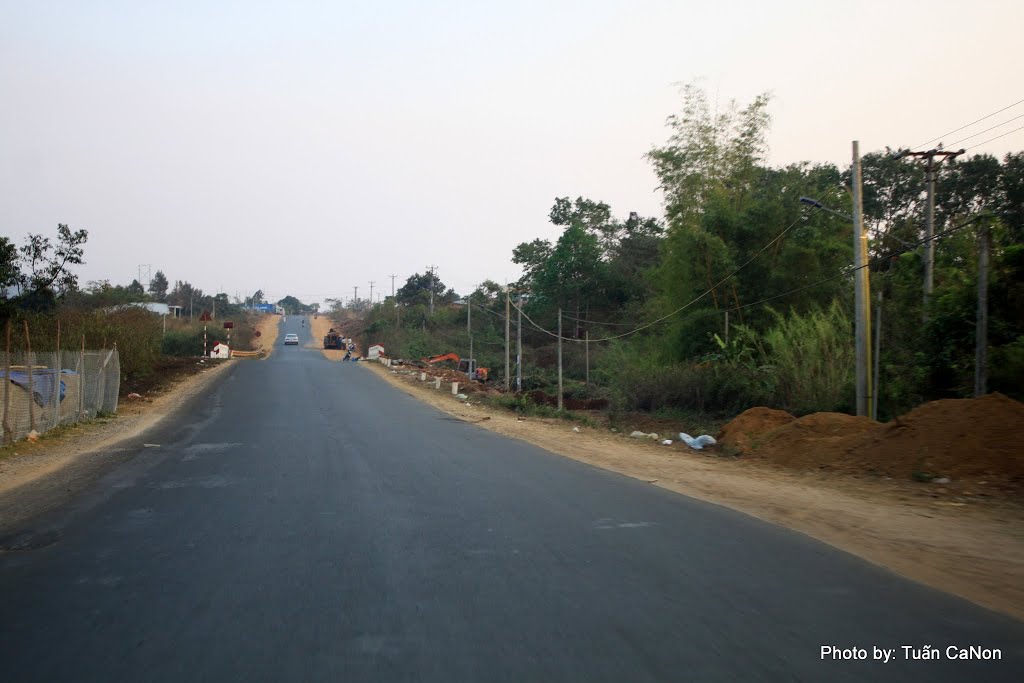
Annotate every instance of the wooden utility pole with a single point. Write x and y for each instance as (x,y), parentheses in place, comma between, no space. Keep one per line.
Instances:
(929,228)
(372,283)
(31,388)
(8,432)
(862,293)
(559,359)
(508,368)
(57,380)
(981,331)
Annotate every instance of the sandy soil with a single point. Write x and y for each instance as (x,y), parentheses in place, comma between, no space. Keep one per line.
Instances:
(319,327)
(267,326)
(974,550)
(38,476)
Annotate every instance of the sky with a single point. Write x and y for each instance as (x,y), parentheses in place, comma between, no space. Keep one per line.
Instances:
(309,148)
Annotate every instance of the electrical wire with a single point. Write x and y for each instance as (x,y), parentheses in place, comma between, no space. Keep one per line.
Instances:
(988,116)
(843,273)
(706,292)
(996,138)
(999,125)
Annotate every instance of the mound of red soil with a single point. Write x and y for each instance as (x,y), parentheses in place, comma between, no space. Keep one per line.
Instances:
(975,438)
(970,441)
(750,426)
(816,441)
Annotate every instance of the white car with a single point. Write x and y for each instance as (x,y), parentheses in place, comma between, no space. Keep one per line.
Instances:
(291,339)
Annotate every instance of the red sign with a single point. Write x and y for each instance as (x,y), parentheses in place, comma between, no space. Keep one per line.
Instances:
(228,325)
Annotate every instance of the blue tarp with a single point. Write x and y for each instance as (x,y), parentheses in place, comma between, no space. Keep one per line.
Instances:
(42,383)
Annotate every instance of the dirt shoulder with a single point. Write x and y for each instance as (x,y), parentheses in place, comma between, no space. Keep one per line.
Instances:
(267,326)
(319,327)
(35,477)
(975,551)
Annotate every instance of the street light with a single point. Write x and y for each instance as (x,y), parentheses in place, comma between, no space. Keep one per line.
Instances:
(818,205)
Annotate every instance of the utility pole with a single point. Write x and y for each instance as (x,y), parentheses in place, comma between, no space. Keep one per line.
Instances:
(508,370)
(586,344)
(929,229)
(469,331)
(559,359)
(431,269)
(519,346)
(862,292)
(878,357)
(981,330)
(372,283)
(398,316)
(355,296)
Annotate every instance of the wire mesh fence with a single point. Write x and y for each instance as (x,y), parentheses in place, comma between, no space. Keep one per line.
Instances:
(44,390)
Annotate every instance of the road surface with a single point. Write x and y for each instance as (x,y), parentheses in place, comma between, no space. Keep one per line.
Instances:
(305,521)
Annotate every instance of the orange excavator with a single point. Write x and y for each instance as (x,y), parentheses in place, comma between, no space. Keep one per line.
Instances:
(467,366)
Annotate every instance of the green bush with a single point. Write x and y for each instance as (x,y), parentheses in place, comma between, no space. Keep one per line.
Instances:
(183,343)
(811,359)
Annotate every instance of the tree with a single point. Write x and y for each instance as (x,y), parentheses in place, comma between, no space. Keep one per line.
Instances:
(10,274)
(417,288)
(135,289)
(48,276)
(293,306)
(185,295)
(708,151)
(258,297)
(158,286)
(531,256)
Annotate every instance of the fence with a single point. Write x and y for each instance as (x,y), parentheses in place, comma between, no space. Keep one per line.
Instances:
(44,390)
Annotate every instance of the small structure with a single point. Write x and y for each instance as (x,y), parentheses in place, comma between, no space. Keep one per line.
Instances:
(220,350)
(375,352)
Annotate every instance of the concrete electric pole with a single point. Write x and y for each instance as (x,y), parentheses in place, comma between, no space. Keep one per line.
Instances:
(862,293)
(929,229)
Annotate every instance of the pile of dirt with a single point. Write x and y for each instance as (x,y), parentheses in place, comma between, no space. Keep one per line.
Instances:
(749,427)
(816,441)
(975,443)
(975,439)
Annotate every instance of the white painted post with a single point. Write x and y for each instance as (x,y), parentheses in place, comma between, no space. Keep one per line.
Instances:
(423,377)
(437,383)
(455,388)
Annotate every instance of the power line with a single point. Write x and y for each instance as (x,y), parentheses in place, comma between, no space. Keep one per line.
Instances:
(988,116)
(843,273)
(707,291)
(996,137)
(998,125)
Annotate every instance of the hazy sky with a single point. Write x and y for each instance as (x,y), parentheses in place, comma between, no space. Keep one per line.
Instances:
(308,147)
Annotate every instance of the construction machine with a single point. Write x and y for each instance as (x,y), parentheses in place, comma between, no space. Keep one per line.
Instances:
(333,340)
(466,366)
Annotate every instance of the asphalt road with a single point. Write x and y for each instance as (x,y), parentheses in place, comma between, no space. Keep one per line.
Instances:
(305,521)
